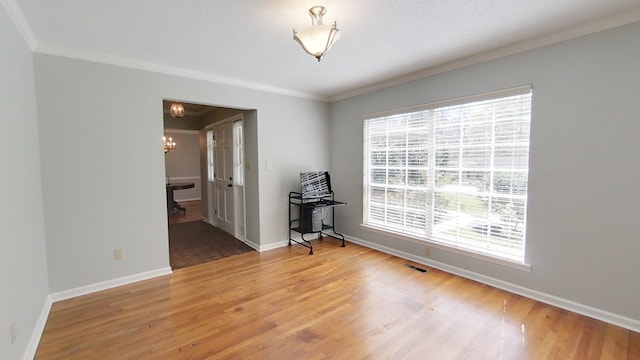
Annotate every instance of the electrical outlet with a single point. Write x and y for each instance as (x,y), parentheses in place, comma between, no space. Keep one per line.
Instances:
(13,329)
(118,254)
(269,165)
(427,251)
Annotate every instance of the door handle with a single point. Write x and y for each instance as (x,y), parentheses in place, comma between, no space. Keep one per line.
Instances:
(229,185)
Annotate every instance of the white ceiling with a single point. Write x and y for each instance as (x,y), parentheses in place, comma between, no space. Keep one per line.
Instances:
(250,42)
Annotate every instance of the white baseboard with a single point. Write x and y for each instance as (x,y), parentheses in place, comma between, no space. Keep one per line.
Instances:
(285,243)
(187,199)
(272,246)
(595,313)
(36,334)
(184,178)
(83,290)
(32,346)
(619,320)
(252,244)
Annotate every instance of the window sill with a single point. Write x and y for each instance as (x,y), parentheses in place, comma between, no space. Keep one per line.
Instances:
(406,237)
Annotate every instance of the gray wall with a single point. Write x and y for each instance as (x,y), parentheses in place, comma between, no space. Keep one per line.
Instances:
(187,122)
(23,265)
(251,183)
(218,114)
(98,197)
(583,238)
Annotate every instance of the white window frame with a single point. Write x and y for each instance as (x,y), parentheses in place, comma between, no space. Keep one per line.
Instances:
(388,207)
(211,142)
(238,153)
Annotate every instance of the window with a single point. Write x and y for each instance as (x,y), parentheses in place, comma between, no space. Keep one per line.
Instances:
(238,157)
(452,173)
(210,156)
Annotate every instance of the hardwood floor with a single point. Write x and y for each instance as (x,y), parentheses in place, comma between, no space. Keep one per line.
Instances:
(193,213)
(340,303)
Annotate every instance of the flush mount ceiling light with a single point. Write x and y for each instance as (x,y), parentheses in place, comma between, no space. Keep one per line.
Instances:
(176,110)
(318,38)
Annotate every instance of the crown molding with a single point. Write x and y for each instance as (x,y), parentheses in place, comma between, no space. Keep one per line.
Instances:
(618,20)
(16,15)
(169,70)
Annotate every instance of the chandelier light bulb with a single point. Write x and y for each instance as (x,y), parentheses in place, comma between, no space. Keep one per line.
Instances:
(169,144)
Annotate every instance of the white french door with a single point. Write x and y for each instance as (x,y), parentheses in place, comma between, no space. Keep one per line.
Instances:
(223,177)
(225,173)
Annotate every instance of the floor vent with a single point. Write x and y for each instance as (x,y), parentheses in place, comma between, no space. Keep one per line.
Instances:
(416,268)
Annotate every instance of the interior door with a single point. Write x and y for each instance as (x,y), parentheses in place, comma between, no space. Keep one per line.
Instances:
(224,194)
(211,178)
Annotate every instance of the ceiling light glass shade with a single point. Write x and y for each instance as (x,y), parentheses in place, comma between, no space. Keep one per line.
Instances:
(176,110)
(317,39)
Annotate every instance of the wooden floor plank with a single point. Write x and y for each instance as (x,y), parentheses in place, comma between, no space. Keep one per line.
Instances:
(340,303)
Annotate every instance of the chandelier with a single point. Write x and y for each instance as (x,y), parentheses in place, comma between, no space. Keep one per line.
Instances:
(317,39)
(176,110)
(169,144)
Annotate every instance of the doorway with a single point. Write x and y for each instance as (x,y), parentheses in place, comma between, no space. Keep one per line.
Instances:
(218,136)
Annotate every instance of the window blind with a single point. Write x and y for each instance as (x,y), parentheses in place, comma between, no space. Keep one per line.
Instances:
(452,172)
